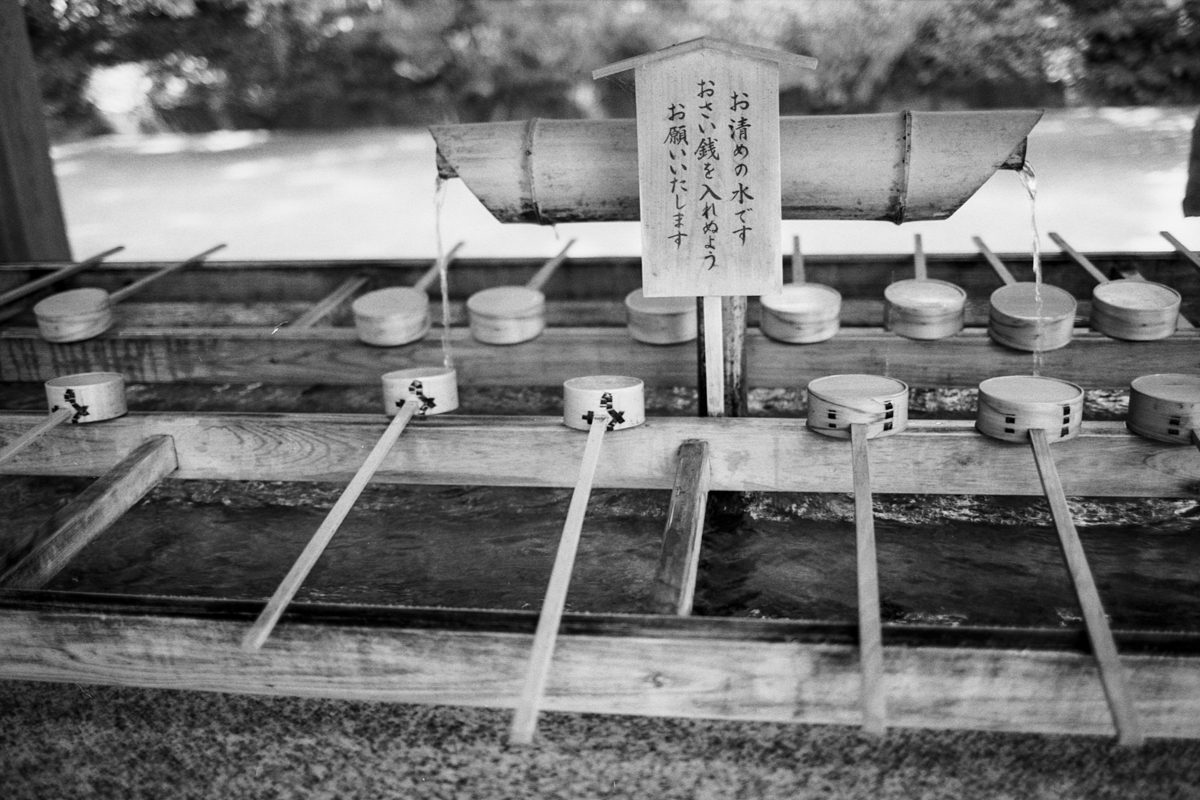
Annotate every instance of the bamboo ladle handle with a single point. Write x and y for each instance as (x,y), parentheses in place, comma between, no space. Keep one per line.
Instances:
(546,271)
(1104,647)
(1079,258)
(919,258)
(56,418)
(798,275)
(56,276)
(994,261)
(870,632)
(435,270)
(262,627)
(137,286)
(524,721)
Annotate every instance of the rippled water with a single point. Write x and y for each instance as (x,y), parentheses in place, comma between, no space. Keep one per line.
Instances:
(944,559)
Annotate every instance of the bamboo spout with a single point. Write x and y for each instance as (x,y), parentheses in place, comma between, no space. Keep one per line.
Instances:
(901,167)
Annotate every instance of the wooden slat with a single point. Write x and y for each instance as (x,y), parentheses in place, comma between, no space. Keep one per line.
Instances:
(678,562)
(775,676)
(939,457)
(213,355)
(34,562)
(1183,250)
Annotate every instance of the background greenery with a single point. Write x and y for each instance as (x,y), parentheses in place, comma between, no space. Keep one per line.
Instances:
(277,64)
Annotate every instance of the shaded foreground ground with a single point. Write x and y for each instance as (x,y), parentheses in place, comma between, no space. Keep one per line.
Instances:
(82,741)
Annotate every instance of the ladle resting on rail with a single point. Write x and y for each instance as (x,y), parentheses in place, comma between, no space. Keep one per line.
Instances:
(1026,315)
(1038,410)
(419,391)
(81,398)
(802,313)
(32,286)
(921,307)
(1165,407)
(398,314)
(862,407)
(79,314)
(597,404)
(513,314)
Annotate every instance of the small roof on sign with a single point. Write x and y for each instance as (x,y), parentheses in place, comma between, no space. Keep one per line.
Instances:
(707,43)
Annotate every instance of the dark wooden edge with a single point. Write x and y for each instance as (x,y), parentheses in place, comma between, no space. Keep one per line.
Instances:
(464,620)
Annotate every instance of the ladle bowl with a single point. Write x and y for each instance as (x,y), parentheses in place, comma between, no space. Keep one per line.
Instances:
(924,308)
(661,320)
(802,313)
(1165,407)
(393,316)
(1025,316)
(622,395)
(1011,405)
(435,387)
(506,314)
(94,396)
(1134,310)
(835,402)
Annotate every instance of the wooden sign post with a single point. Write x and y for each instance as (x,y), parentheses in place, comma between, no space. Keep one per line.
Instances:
(709,179)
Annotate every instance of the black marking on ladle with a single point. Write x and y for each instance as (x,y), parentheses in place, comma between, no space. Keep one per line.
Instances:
(615,417)
(427,403)
(80,410)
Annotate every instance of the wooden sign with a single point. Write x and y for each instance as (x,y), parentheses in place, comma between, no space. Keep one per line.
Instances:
(708,167)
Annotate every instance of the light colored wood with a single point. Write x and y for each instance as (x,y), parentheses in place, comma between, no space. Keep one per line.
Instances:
(33,227)
(33,434)
(1182,249)
(860,166)
(524,722)
(765,670)
(326,305)
(802,313)
(56,276)
(34,561)
(1026,316)
(870,632)
(1078,258)
(1011,405)
(434,273)
(919,267)
(710,203)
(659,320)
(621,396)
(137,286)
(1112,673)
(707,43)
(994,262)
(335,357)
(547,270)
(836,403)
(713,357)
(257,635)
(748,454)
(1164,407)
(679,560)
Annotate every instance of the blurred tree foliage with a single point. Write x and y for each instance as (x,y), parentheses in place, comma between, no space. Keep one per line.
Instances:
(339,63)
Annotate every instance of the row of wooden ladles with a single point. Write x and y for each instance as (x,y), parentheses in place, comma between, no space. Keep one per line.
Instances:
(1017,408)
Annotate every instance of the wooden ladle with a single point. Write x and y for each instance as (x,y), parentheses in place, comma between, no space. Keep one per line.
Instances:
(79,314)
(513,314)
(81,398)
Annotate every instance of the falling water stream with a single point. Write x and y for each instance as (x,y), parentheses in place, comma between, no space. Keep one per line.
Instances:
(1029,181)
(439,200)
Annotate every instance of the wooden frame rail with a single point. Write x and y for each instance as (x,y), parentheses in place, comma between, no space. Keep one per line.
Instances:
(765,670)
(747,454)
(335,356)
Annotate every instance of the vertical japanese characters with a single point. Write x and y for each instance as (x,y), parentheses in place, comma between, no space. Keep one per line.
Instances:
(708,147)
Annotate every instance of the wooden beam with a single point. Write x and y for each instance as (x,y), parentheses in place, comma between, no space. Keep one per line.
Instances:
(679,561)
(870,632)
(930,456)
(335,356)
(765,670)
(327,304)
(35,561)
(32,227)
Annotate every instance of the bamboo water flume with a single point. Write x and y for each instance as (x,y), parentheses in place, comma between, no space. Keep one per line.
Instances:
(407,393)
(597,404)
